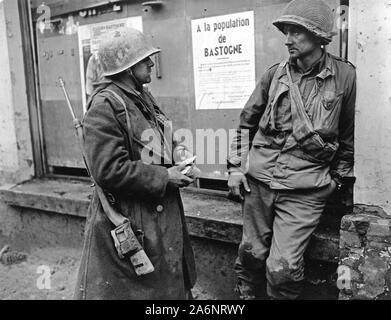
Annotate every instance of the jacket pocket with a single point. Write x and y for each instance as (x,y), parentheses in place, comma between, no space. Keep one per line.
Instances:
(325,117)
(331,99)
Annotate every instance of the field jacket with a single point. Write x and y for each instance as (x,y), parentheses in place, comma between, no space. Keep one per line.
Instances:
(320,145)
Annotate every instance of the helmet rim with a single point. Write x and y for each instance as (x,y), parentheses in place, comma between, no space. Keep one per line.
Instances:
(326,37)
(315,16)
(122,49)
(132,64)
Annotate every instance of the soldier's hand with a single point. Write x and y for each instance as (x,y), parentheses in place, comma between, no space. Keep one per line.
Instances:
(177,179)
(194,173)
(235,181)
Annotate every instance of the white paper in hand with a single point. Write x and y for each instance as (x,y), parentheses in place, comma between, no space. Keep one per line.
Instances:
(189,163)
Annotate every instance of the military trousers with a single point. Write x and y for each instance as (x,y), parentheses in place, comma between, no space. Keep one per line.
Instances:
(277,227)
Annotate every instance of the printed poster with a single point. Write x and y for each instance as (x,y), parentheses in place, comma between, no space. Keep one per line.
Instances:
(224,60)
(89,39)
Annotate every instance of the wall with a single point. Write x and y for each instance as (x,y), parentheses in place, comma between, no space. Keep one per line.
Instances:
(8,154)
(16,161)
(370,50)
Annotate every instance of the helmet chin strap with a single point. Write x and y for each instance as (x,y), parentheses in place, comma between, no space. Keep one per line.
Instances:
(136,81)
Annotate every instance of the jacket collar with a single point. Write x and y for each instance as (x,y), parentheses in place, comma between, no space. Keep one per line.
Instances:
(326,67)
(329,69)
(124,82)
(128,85)
(316,67)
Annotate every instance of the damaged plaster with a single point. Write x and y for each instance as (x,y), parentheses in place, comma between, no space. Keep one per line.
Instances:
(15,138)
(370,51)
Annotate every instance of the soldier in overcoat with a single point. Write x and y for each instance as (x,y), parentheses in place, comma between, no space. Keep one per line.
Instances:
(130,153)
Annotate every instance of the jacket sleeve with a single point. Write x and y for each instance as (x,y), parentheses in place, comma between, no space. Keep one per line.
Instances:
(109,161)
(343,163)
(249,123)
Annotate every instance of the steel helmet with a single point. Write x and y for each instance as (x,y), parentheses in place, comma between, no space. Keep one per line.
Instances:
(314,15)
(123,48)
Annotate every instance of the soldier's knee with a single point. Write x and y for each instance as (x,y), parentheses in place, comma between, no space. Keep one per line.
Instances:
(250,257)
(280,271)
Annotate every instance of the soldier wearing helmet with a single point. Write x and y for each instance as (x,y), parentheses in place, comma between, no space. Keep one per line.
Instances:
(129,149)
(294,148)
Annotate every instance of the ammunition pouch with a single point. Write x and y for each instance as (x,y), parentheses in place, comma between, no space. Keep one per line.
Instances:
(314,145)
(126,243)
(125,240)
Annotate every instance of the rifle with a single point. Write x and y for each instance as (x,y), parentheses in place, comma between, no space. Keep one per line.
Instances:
(125,240)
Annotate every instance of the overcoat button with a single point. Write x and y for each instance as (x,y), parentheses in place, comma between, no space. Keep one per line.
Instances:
(160,208)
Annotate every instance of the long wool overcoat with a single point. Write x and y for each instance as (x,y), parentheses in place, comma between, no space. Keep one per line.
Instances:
(140,192)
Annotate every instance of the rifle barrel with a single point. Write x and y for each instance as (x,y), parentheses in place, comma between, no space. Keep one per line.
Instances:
(62,85)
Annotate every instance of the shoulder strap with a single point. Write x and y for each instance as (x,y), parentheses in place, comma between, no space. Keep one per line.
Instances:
(113,215)
(343,60)
(302,125)
(276,77)
(123,104)
(136,219)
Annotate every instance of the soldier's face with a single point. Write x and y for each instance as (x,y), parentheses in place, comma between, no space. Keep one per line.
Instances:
(142,71)
(300,42)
